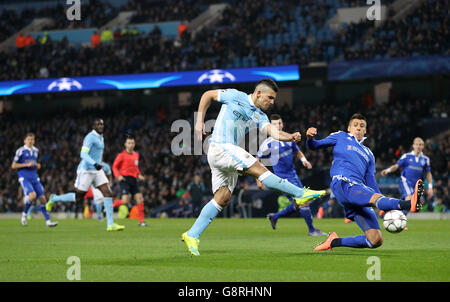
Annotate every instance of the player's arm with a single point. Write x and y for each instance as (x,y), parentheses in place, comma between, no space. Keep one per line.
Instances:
(391,169)
(370,179)
(303,159)
(205,102)
(17,165)
(116,167)
(313,144)
(273,132)
(84,154)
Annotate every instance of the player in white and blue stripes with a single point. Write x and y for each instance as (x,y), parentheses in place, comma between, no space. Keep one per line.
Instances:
(240,114)
(414,165)
(26,163)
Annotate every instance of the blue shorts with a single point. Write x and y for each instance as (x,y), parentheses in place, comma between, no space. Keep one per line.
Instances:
(355,198)
(31,185)
(406,187)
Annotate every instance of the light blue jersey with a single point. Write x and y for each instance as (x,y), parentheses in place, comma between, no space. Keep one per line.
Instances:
(93,146)
(106,167)
(238,115)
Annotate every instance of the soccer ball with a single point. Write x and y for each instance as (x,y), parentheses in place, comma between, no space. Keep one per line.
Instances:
(394,221)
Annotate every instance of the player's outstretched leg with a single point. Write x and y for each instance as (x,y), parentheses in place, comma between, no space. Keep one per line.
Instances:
(68,197)
(302,196)
(414,205)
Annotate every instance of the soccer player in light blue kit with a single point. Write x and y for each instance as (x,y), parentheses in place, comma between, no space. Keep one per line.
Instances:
(355,187)
(414,165)
(92,172)
(70,197)
(281,157)
(240,113)
(25,161)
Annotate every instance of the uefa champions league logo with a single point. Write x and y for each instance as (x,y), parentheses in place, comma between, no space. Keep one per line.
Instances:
(64,84)
(216,76)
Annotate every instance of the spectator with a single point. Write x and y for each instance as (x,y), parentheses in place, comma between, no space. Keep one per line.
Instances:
(182,27)
(197,190)
(20,41)
(106,36)
(95,39)
(29,40)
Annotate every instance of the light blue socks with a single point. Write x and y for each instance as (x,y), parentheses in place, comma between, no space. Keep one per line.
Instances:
(68,197)
(274,182)
(109,210)
(208,213)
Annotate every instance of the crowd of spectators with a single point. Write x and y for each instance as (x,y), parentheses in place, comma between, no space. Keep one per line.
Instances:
(423,32)
(168,177)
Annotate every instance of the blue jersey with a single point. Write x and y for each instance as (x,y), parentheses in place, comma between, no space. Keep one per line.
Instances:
(25,155)
(352,159)
(414,166)
(238,115)
(281,155)
(93,145)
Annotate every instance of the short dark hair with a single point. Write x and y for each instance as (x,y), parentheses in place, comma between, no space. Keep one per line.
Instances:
(268,82)
(29,134)
(129,136)
(274,117)
(97,119)
(357,116)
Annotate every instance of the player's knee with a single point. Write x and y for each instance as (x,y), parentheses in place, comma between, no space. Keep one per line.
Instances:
(32,196)
(222,196)
(376,241)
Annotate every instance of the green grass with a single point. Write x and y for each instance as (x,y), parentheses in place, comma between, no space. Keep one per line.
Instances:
(231,250)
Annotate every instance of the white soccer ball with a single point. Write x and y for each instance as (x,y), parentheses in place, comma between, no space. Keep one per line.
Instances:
(394,221)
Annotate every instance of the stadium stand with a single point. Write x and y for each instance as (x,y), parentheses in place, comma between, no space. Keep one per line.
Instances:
(275,33)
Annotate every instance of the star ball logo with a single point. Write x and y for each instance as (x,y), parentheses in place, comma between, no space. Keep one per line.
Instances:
(216,76)
(64,84)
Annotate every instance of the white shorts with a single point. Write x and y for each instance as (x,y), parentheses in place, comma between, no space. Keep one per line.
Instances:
(86,178)
(226,162)
(98,196)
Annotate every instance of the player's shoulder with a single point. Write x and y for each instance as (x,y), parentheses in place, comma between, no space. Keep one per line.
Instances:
(404,156)
(339,133)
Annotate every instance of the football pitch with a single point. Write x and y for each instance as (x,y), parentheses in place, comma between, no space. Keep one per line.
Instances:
(241,250)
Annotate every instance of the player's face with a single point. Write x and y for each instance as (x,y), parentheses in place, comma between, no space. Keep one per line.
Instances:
(265,99)
(129,144)
(277,123)
(357,128)
(29,141)
(99,126)
(418,146)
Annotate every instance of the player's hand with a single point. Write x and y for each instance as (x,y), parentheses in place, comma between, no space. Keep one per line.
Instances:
(98,166)
(121,178)
(307,164)
(38,166)
(199,130)
(141,177)
(430,193)
(311,132)
(296,137)
(260,185)
(384,172)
